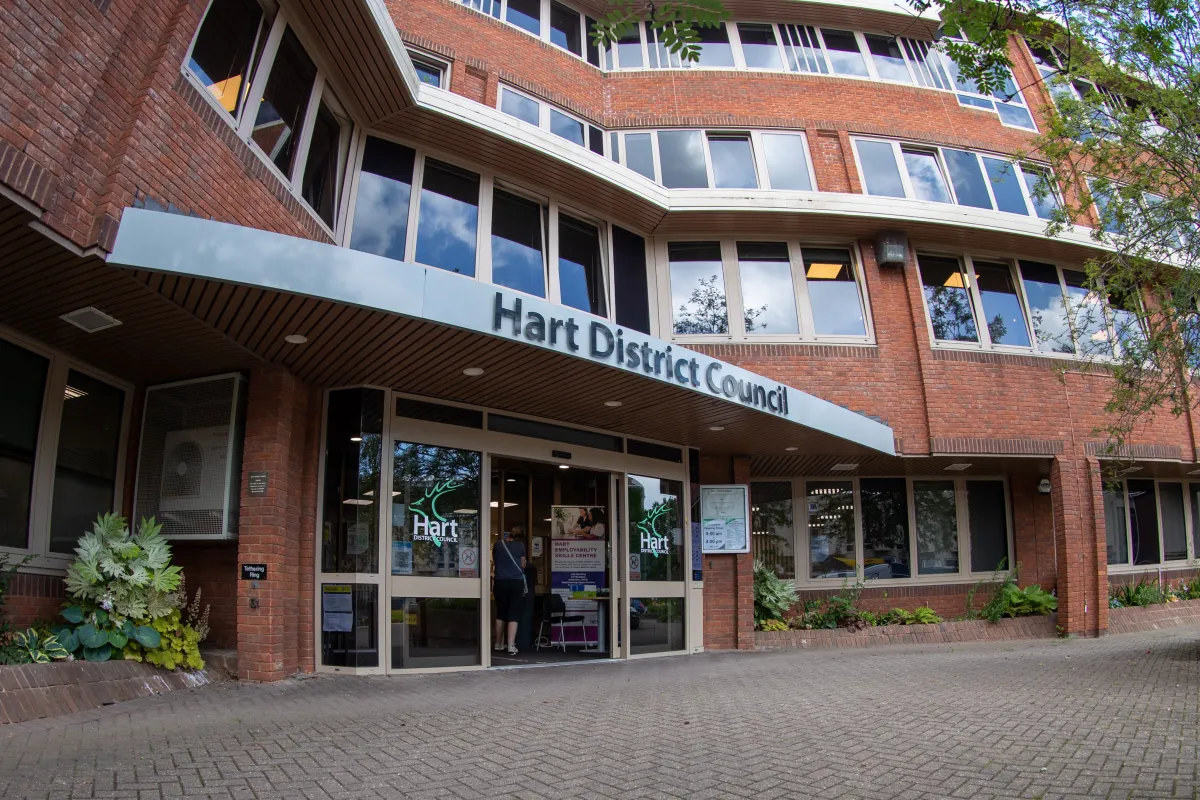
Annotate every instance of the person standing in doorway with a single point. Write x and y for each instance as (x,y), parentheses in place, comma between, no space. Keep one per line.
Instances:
(508,558)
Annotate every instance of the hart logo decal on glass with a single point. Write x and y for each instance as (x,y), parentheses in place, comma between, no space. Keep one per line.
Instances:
(653,543)
(428,524)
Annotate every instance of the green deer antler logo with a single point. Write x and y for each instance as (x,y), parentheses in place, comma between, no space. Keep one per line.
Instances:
(647,528)
(427,506)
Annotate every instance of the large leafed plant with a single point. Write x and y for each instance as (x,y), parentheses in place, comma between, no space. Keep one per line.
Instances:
(128,575)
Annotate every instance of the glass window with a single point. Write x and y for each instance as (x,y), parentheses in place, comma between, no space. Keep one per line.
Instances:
(20,422)
(768,296)
(1002,310)
(435,511)
(885,528)
(937,527)
(1041,191)
(1195,496)
(1174,527)
(803,49)
(988,515)
(733,162)
(284,103)
(85,472)
(833,293)
(428,72)
(1015,114)
(629,49)
(323,167)
(660,56)
(831,529)
(1005,185)
(225,50)
(384,192)
(353,453)
(1047,307)
(580,268)
(639,154)
(567,127)
(525,14)
(787,161)
(1116,537)
(773,534)
(518,253)
(887,57)
(519,106)
(435,632)
(656,624)
(681,154)
(715,49)
(593,49)
(595,140)
(759,47)
(448,218)
(630,288)
(1143,522)
(948,299)
(655,529)
(1087,315)
(925,174)
(697,288)
(969,184)
(879,169)
(349,628)
(844,55)
(486,6)
(564,28)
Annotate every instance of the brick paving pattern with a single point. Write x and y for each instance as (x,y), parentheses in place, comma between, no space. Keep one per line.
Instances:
(1115,717)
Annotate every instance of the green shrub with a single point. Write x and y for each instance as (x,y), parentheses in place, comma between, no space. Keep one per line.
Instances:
(924,615)
(773,625)
(179,645)
(773,596)
(37,648)
(1011,601)
(10,652)
(1145,592)
(842,610)
(1188,589)
(127,575)
(99,636)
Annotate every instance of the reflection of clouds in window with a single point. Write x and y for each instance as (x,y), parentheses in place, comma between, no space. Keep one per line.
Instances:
(879,168)
(697,288)
(1087,316)
(767,292)
(833,293)
(787,162)
(681,157)
(926,176)
(446,233)
(1046,307)
(380,216)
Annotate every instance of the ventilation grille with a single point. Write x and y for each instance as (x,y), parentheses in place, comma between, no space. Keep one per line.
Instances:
(190,464)
(90,319)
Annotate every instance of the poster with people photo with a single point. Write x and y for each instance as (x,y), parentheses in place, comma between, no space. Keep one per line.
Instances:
(579,522)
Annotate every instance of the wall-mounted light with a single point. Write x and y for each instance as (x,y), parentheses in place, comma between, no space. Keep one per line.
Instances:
(1044,486)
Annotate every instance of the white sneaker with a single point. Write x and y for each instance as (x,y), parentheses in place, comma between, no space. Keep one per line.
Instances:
(512,649)
(498,647)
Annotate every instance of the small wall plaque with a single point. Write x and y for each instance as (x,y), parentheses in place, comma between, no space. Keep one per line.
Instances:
(258,483)
(254,572)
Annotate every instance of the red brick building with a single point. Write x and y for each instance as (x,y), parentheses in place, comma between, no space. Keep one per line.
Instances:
(338,290)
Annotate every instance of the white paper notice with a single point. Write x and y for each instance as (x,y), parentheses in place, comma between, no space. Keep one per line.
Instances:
(714,534)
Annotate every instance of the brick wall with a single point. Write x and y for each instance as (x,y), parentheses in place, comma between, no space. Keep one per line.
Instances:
(212,568)
(33,597)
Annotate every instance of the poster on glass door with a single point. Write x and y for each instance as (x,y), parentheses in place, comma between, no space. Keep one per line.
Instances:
(578,555)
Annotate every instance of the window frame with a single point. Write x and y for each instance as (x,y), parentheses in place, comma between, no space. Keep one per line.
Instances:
(544,28)
(803,551)
(429,59)
(41,499)
(544,111)
(758,152)
(1189,487)
(734,301)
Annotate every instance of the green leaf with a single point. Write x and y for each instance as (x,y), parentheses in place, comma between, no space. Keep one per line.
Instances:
(97,653)
(147,637)
(101,617)
(117,639)
(73,614)
(90,637)
(69,641)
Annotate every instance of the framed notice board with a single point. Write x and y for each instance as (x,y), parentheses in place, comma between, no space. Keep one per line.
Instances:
(725,518)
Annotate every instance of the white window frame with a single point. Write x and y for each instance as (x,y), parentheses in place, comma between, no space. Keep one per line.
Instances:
(734,303)
(544,112)
(432,60)
(543,33)
(757,151)
(1189,525)
(41,499)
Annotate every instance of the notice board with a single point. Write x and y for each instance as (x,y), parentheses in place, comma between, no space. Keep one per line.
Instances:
(725,518)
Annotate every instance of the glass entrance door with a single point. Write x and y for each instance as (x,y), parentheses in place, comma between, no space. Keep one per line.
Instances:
(656,565)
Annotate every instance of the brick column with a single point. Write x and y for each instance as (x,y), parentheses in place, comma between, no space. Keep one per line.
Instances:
(271,527)
(1075,482)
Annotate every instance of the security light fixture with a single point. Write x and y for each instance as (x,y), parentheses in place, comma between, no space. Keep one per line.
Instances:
(90,319)
(295,338)
(473,372)
(957,467)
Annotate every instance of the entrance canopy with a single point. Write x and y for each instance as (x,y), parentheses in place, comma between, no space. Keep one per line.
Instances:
(374,320)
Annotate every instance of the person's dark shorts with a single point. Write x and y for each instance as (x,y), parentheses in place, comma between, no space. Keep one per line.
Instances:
(510,595)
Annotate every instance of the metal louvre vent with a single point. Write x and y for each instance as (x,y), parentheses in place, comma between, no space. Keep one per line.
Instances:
(190,462)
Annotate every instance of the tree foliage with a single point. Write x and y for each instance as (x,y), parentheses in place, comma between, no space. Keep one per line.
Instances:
(673,21)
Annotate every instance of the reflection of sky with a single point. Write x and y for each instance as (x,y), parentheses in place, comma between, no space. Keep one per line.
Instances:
(786,162)
(999,298)
(847,61)
(892,67)
(682,157)
(639,154)
(629,51)
(769,284)
(762,53)
(518,266)
(733,163)
(685,279)
(715,54)
(1090,327)
(1003,176)
(879,167)
(521,107)
(1049,317)
(380,216)
(969,185)
(573,286)
(926,177)
(835,307)
(652,491)
(1035,182)
(446,231)
(567,128)
(530,22)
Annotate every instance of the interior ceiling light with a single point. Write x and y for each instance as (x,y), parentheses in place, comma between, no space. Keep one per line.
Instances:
(295,338)
(823,272)
(843,467)
(955,281)
(71,393)
(512,480)
(356,438)
(473,372)
(90,319)
(496,504)
(957,467)
(464,511)
(563,466)
(716,427)
(791,449)
(356,502)
(613,403)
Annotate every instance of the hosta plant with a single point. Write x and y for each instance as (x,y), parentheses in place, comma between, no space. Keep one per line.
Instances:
(127,575)
(179,645)
(38,648)
(99,635)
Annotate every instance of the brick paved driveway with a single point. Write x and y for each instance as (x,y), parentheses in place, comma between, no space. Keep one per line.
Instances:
(1106,718)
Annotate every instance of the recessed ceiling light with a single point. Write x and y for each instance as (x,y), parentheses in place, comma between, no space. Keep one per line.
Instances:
(90,320)
(465,511)
(613,403)
(512,480)
(716,427)
(473,372)
(496,504)
(71,393)
(295,338)
(563,466)
(547,519)
(843,467)
(355,502)
(957,467)
(790,449)
(356,438)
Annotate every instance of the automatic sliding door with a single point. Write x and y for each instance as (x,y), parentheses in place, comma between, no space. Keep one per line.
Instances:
(657,576)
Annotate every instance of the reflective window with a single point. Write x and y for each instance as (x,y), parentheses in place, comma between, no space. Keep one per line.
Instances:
(947,299)
(1088,323)
(656,624)
(1041,191)
(1047,307)
(831,529)
(879,169)
(629,50)
(1143,522)
(1003,315)
(567,127)
(435,632)
(697,288)
(787,161)
(630,288)
(20,423)
(681,155)
(525,14)
(518,252)
(844,54)
(655,529)
(937,527)
(887,57)
(1006,186)
(773,533)
(353,454)
(565,30)
(715,50)
(759,47)
(768,296)
(803,49)
(733,162)
(988,513)
(925,174)
(349,625)
(428,72)
(384,192)
(833,293)
(970,187)
(448,219)
(85,472)
(884,503)
(225,49)
(435,511)
(323,166)
(519,106)
(284,103)
(1174,525)
(1116,535)
(580,267)
(639,154)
